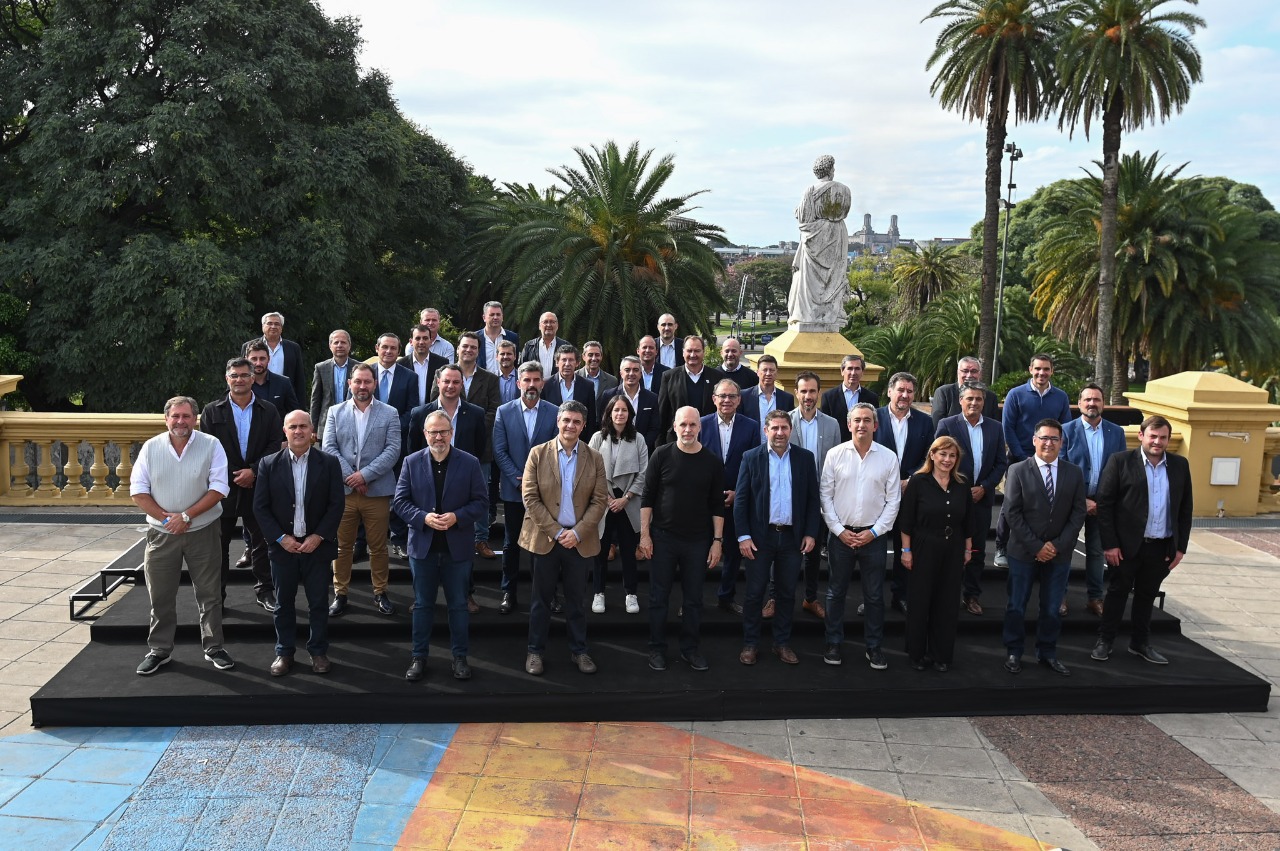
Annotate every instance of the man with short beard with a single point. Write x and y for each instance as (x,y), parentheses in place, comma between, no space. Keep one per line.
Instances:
(732,366)
(268,385)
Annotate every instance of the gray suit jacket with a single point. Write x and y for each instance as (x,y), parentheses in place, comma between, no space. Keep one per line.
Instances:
(828,434)
(1031,519)
(376,458)
(322,392)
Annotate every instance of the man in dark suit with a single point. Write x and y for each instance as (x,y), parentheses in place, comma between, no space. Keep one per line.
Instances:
(727,435)
(982,463)
(946,399)
(543,348)
(491,334)
(396,385)
(1090,441)
(690,384)
(1144,514)
(521,424)
(907,432)
(839,401)
(423,363)
(643,402)
(440,494)
(329,379)
(1044,510)
(759,400)
(469,431)
(777,526)
(670,347)
(566,384)
(651,368)
(248,430)
(302,544)
(732,366)
(601,381)
(268,385)
(285,356)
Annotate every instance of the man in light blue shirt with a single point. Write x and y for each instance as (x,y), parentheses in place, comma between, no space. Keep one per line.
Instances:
(1091,440)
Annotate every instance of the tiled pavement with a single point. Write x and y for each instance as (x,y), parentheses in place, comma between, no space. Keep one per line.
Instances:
(381,786)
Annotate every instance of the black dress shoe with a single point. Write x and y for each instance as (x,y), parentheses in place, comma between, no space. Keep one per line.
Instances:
(417,669)
(730,606)
(941,667)
(508,604)
(461,670)
(267,599)
(383,605)
(1013,664)
(557,605)
(338,606)
(1101,650)
(1146,651)
(1055,666)
(918,665)
(900,605)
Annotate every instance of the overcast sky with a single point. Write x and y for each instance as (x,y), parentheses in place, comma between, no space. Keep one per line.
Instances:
(746,94)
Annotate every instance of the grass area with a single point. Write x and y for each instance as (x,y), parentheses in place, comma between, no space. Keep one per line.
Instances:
(761,328)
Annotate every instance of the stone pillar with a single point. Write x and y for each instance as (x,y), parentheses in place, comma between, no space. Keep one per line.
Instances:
(1223,423)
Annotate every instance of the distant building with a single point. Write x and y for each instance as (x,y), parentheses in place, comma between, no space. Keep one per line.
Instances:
(867,241)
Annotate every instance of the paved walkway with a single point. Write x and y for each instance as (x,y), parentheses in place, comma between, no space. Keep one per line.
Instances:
(923,783)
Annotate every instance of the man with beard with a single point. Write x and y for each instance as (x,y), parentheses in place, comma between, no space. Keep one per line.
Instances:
(268,385)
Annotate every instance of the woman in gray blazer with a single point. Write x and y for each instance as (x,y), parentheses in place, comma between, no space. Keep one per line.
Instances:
(626,458)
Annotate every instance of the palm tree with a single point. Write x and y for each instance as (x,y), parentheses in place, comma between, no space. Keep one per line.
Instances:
(994,56)
(1129,62)
(601,249)
(923,275)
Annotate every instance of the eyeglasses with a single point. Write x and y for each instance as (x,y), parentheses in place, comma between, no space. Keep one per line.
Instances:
(439,432)
(727,395)
(1048,439)
(239,376)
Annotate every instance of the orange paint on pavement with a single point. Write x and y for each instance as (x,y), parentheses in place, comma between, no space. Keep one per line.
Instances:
(650,786)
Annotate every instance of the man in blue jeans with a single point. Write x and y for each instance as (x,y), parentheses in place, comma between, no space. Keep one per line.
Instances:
(440,494)
(860,494)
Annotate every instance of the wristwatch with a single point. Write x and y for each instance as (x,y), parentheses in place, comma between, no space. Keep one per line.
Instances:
(186,518)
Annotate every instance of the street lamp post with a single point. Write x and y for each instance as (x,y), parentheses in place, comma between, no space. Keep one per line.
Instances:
(1015,154)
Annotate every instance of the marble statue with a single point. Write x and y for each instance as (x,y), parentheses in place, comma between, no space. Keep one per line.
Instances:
(819,281)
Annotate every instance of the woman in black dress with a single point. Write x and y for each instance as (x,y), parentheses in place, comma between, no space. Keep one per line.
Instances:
(934,519)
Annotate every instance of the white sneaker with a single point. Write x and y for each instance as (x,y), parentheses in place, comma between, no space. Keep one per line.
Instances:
(633,604)
(597,604)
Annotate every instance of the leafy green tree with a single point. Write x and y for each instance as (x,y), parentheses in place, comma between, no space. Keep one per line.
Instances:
(602,249)
(767,286)
(924,274)
(994,57)
(184,167)
(1128,62)
(873,291)
(1026,226)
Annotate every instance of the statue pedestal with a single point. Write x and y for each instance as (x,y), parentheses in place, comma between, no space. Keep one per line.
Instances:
(815,351)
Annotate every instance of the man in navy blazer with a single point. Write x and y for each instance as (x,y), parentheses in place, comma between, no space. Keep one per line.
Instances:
(440,494)
(1090,441)
(301,548)
(743,433)
(839,401)
(491,334)
(760,399)
(397,386)
(519,425)
(272,386)
(777,525)
(643,402)
(983,461)
(906,431)
(469,431)
(566,384)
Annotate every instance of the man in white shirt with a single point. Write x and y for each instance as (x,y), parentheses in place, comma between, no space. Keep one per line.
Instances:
(430,317)
(670,347)
(492,334)
(593,356)
(650,370)
(860,493)
(424,362)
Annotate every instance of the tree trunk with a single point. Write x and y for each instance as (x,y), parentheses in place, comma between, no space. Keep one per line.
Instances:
(1107,245)
(997,115)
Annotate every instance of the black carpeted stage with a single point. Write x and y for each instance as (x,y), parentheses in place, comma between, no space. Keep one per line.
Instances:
(370,653)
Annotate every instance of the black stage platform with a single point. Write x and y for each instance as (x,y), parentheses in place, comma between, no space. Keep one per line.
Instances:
(370,653)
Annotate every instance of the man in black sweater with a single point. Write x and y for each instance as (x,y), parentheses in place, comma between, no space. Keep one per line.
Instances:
(683,489)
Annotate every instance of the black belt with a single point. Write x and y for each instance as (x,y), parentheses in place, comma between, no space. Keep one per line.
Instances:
(856,529)
(1163,540)
(780,527)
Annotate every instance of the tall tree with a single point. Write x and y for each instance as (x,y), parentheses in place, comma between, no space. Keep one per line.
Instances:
(924,274)
(1128,62)
(994,57)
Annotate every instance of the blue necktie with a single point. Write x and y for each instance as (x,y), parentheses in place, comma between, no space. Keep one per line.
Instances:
(386,384)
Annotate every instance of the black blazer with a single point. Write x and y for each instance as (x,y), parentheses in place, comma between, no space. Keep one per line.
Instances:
(530,351)
(994,459)
(1031,519)
(469,432)
(751,498)
(674,395)
(583,391)
(265,436)
(292,361)
(919,436)
(278,391)
(274,500)
(946,403)
(1123,502)
(646,421)
(833,405)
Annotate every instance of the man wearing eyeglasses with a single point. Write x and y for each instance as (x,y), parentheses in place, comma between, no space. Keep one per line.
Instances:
(1044,508)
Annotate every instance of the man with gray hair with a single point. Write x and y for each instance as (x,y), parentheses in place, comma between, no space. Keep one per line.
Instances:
(593,356)
(946,399)
(179,481)
(285,355)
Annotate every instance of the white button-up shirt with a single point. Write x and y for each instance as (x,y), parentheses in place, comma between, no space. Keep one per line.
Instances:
(860,491)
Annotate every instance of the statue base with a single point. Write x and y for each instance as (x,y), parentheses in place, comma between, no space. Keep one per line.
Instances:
(813,351)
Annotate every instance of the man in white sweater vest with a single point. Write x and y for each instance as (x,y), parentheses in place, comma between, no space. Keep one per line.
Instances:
(179,480)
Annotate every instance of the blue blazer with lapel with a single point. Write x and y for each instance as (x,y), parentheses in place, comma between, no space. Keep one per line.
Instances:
(507,334)
(646,421)
(465,494)
(404,391)
(511,443)
(751,502)
(919,436)
(745,435)
(469,432)
(583,391)
(381,450)
(274,499)
(994,459)
(1077,445)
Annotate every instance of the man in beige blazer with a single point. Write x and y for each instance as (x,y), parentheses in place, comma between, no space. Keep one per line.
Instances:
(564,498)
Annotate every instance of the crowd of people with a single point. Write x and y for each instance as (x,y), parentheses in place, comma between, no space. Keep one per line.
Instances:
(691,467)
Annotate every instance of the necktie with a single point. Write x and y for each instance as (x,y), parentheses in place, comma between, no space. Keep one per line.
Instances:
(386,384)
(1048,481)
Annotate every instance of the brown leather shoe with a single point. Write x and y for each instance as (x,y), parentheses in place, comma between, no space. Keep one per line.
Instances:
(1062,610)
(815,608)
(281,666)
(1095,607)
(320,664)
(485,551)
(747,656)
(472,606)
(770,609)
(613,552)
(972,606)
(787,655)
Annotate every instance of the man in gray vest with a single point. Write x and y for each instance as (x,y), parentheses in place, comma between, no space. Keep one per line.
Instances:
(179,480)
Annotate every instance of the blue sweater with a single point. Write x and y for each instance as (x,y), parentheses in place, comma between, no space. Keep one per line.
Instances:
(1023,408)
